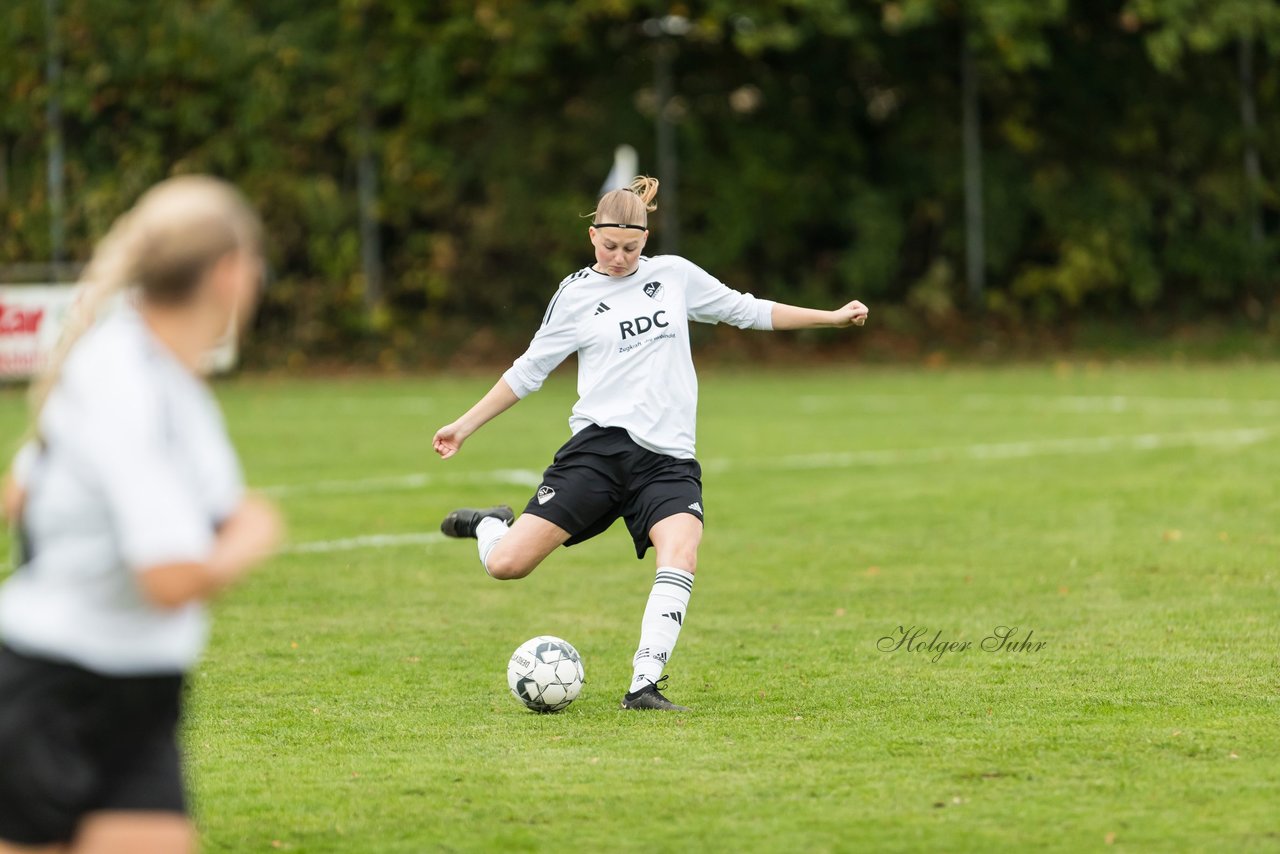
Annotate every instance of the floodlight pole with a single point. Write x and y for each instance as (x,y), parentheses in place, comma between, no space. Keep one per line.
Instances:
(1249,121)
(367,207)
(668,161)
(975,256)
(662,31)
(54,139)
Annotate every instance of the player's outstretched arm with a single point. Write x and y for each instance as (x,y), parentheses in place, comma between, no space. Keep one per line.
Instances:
(449,438)
(794,317)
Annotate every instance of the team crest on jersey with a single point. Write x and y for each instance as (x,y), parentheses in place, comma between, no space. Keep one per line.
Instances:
(545,494)
(654,290)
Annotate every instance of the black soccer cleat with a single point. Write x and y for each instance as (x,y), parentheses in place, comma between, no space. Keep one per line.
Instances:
(650,698)
(463,521)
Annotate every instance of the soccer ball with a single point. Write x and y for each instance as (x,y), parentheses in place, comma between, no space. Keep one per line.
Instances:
(545,673)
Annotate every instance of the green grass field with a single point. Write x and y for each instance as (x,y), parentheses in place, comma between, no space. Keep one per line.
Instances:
(353,698)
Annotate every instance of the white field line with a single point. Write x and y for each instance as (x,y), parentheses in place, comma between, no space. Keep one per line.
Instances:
(515,477)
(1004,450)
(981,452)
(844,459)
(372,541)
(355,404)
(1074,404)
(992,451)
(970,452)
(1119,403)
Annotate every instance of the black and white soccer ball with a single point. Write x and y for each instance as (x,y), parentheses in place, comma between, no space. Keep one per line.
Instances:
(545,673)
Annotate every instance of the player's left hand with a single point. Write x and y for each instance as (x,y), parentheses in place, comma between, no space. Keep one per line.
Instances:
(853,314)
(448,440)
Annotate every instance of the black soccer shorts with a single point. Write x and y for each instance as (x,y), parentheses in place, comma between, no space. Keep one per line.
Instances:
(601,474)
(75,742)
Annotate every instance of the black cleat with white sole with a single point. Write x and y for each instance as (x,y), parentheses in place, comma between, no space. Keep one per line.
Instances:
(463,521)
(649,697)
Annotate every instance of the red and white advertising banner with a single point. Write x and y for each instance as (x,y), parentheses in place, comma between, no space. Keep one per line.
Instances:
(31,321)
(32,318)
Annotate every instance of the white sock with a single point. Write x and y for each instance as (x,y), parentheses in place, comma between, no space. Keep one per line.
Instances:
(663,617)
(490,530)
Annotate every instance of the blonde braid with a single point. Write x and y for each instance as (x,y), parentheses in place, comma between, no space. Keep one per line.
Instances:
(110,272)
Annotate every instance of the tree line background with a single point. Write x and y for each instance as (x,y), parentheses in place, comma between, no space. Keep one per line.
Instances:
(423,165)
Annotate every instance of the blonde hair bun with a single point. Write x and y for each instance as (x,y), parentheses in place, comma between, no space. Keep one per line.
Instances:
(630,205)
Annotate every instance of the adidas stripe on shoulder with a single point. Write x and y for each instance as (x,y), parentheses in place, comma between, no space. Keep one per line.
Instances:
(566,282)
(573,277)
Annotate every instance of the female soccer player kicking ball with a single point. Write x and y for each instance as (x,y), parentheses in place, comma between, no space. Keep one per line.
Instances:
(632,451)
(130,511)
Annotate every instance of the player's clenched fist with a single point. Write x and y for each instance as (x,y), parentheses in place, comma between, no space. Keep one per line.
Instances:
(853,314)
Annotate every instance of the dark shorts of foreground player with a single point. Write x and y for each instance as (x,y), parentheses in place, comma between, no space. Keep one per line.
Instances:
(75,742)
(601,474)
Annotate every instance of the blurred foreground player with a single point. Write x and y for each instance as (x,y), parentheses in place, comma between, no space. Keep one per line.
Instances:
(130,511)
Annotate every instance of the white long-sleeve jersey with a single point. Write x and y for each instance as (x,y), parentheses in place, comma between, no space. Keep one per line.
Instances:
(136,472)
(631,334)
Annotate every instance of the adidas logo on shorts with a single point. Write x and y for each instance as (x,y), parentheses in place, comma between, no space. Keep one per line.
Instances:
(697,507)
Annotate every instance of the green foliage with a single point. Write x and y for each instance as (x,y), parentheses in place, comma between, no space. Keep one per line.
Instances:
(819,144)
(1173,28)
